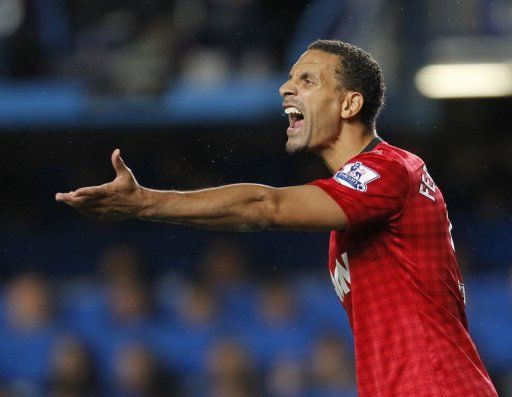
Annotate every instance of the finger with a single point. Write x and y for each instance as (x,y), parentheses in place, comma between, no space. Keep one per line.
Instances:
(86,205)
(94,191)
(118,163)
(64,196)
(71,198)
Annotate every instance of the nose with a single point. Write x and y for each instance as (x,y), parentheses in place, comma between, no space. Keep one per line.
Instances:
(288,88)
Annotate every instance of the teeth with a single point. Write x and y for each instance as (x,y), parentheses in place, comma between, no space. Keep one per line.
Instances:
(292,110)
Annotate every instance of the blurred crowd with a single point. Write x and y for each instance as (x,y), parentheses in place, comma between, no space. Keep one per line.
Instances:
(140,47)
(217,333)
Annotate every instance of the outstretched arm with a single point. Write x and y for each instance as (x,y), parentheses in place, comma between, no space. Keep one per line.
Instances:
(231,207)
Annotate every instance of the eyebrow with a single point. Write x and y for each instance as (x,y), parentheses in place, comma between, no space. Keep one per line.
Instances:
(303,75)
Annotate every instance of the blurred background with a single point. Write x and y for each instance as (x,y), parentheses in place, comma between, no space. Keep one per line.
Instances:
(188,91)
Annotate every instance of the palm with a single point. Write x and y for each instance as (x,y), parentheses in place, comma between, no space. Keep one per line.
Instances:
(116,200)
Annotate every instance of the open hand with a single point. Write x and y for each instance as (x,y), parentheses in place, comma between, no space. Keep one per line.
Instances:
(117,200)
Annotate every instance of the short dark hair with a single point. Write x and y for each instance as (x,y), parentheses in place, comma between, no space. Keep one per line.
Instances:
(359,72)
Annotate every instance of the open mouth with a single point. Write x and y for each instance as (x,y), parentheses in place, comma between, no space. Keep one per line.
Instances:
(295,118)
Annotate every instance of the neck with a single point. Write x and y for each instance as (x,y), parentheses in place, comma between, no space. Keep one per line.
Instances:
(347,144)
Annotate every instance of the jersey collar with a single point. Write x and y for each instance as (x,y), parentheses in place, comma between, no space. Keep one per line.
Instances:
(374,142)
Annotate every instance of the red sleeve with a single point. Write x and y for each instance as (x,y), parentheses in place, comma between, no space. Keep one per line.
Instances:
(369,188)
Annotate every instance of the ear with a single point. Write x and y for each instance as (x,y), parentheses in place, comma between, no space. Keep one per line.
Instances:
(352,105)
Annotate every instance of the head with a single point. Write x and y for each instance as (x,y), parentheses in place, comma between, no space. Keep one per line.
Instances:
(330,363)
(121,262)
(333,83)
(130,301)
(286,377)
(29,302)
(277,305)
(228,363)
(224,262)
(135,368)
(72,371)
(138,371)
(199,305)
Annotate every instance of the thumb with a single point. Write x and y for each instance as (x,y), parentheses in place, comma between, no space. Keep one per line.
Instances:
(118,163)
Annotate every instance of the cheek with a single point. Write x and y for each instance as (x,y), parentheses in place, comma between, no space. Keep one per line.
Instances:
(329,114)
(335,107)
(324,112)
(328,123)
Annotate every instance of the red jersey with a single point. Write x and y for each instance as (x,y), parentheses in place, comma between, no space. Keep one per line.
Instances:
(395,271)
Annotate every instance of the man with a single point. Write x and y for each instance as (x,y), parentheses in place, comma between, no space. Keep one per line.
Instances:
(391,256)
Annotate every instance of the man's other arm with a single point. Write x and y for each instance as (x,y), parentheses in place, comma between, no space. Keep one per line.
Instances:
(232,207)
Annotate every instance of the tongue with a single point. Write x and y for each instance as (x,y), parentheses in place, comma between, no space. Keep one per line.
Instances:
(296,123)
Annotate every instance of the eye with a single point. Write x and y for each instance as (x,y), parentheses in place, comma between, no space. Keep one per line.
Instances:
(308,82)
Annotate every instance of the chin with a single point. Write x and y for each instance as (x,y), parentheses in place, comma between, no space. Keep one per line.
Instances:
(295,147)
(299,141)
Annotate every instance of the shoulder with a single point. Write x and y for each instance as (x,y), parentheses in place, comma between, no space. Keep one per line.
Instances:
(386,164)
(386,156)
(406,158)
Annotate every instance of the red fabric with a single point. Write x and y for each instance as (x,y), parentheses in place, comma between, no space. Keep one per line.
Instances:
(395,270)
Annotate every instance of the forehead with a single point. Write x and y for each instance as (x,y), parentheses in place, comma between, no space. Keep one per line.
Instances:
(316,61)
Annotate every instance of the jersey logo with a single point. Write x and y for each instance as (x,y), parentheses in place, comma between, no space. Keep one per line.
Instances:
(356,176)
(341,277)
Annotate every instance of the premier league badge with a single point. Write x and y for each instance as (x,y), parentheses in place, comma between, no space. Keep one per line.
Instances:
(356,176)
